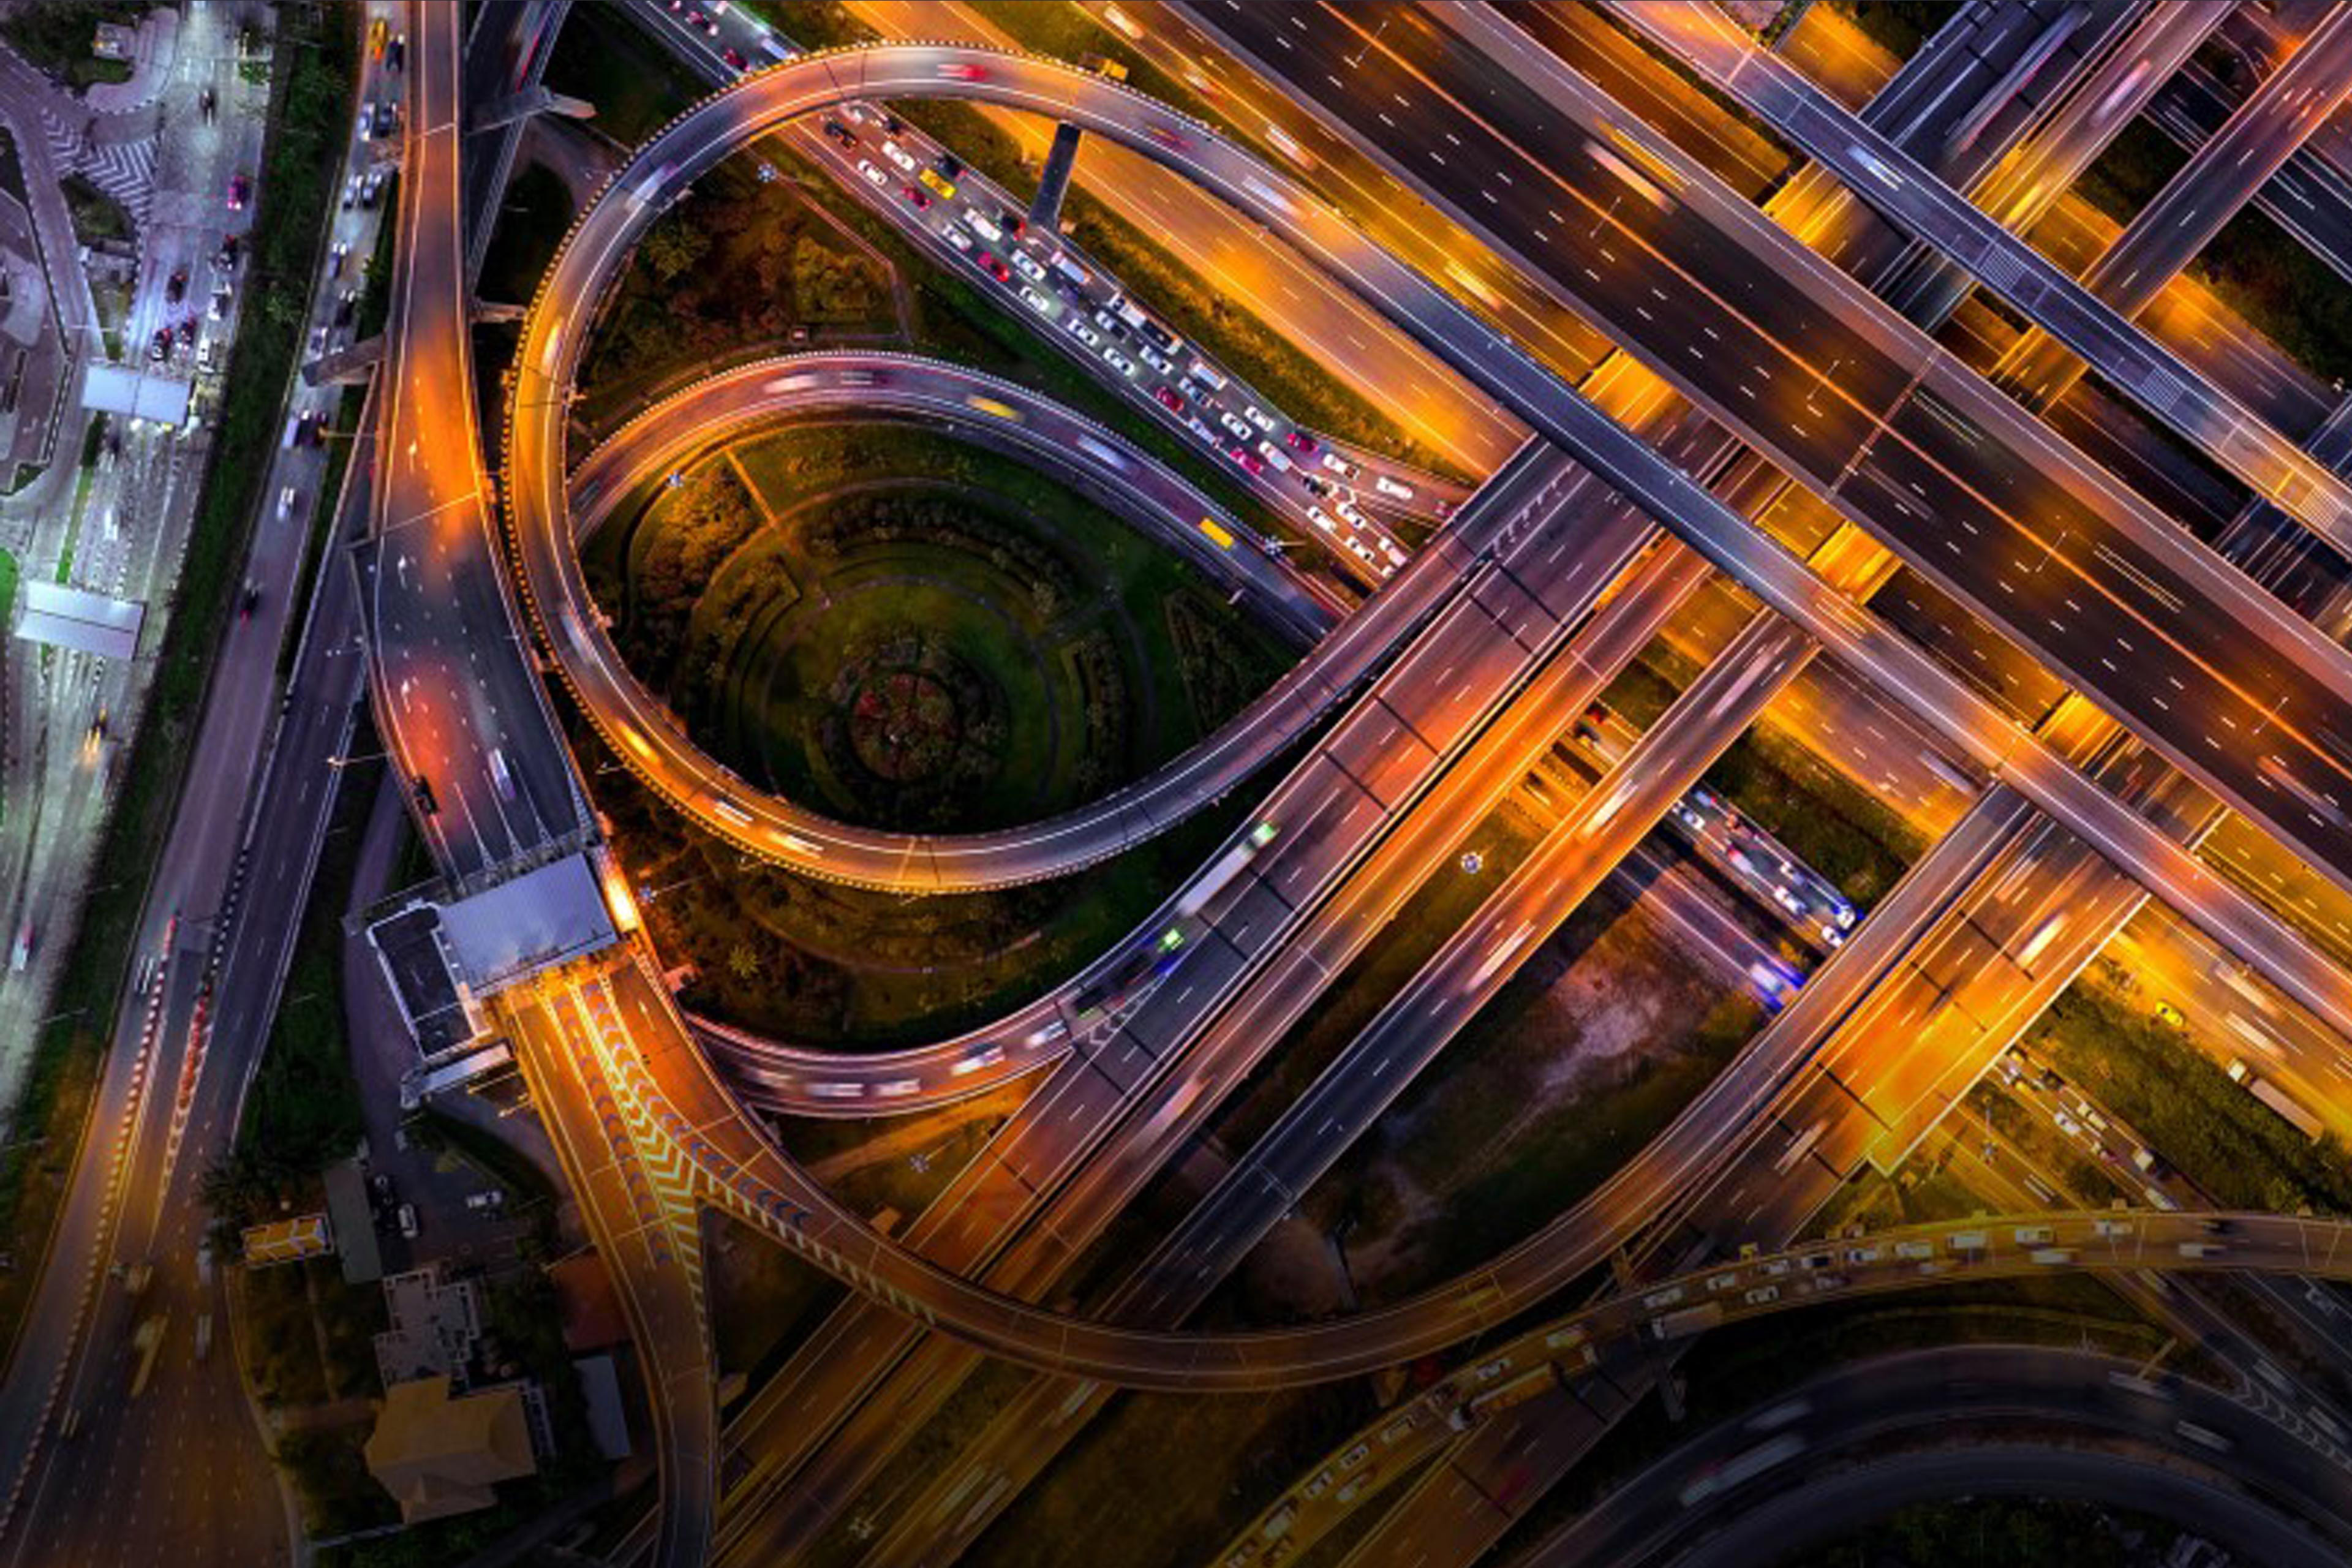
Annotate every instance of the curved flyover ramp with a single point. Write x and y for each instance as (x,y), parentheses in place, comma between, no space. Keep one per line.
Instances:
(671,1086)
(556,325)
(1157,501)
(677,1111)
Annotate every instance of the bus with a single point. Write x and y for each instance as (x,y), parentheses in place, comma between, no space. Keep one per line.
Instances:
(2285,1105)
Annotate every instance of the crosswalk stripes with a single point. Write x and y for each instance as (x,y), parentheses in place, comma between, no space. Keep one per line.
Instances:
(125,171)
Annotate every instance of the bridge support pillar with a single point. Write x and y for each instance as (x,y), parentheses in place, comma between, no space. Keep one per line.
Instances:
(1046,208)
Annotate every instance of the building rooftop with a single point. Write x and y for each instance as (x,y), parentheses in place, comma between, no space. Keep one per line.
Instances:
(354,1222)
(439,1453)
(527,923)
(84,622)
(434,1326)
(415,963)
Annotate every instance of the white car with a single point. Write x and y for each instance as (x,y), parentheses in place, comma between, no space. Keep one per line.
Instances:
(1239,430)
(897,155)
(1347,509)
(1388,487)
(1321,519)
(1037,302)
(1118,361)
(1257,416)
(1026,265)
(982,225)
(957,238)
(1154,358)
(874,177)
(1085,334)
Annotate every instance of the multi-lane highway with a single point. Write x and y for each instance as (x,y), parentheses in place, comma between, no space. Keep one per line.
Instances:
(2103,589)
(704,134)
(1761,1480)
(439,608)
(1897,185)
(2218,179)
(456,694)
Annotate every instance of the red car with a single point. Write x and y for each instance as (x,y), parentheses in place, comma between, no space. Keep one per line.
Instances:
(1299,441)
(1168,399)
(916,196)
(993,267)
(957,70)
(238,189)
(732,56)
(1246,459)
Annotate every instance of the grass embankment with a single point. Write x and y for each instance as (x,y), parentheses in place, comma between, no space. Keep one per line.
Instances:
(1824,817)
(2283,291)
(375,278)
(1898,26)
(322,507)
(1602,1036)
(531,222)
(56,35)
(764,1298)
(1063,652)
(2139,162)
(1169,1477)
(1811,805)
(12,167)
(734,271)
(302,1109)
(603,55)
(795,957)
(2220,1136)
(96,216)
(310,105)
(812,961)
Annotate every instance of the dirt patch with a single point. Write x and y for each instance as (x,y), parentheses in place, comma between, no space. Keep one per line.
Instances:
(1606,1035)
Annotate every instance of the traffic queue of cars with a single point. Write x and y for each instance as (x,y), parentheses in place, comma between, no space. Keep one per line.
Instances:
(1050,281)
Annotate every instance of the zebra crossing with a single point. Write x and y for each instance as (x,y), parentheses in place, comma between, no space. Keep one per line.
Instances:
(125,171)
